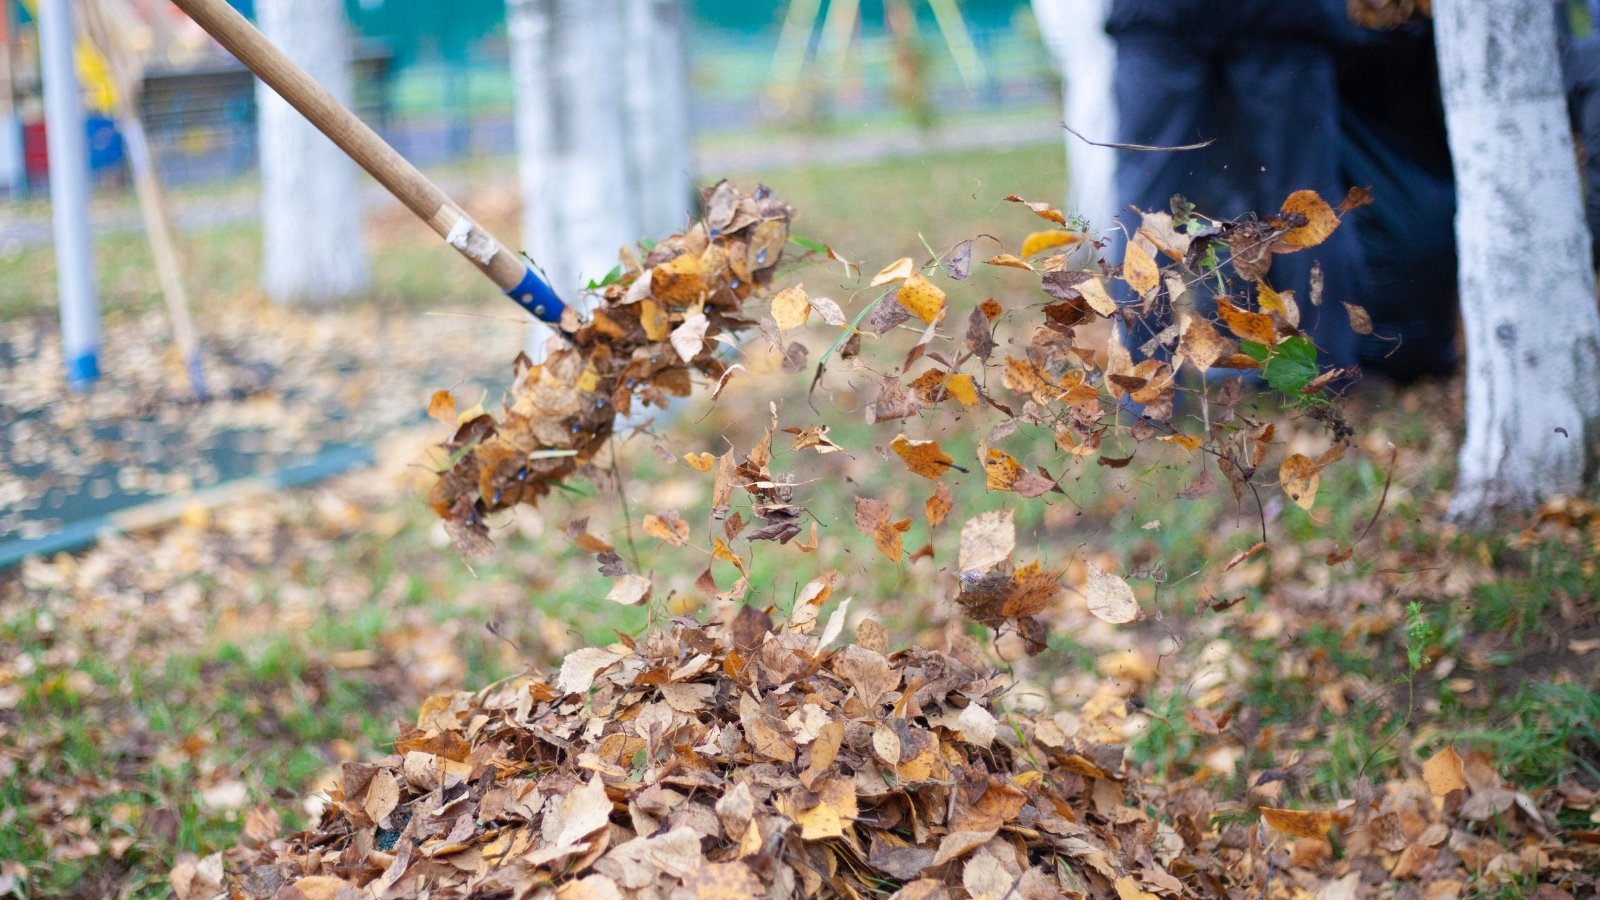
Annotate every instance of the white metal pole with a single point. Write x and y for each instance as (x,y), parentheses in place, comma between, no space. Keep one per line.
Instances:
(69,195)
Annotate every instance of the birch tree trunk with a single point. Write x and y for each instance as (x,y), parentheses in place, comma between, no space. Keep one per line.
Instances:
(1074,32)
(661,157)
(310,207)
(1527,288)
(572,160)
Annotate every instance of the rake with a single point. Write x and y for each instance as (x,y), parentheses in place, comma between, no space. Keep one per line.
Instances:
(424,198)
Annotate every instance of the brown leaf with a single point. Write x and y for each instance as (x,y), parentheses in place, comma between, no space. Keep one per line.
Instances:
(1298,475)
(1202,345)
(1249,326)
(1443,772)
(1360,320)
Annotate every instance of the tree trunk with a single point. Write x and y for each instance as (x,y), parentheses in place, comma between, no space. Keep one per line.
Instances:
(1074,31)
(310,207)
(661,157)
(1527,287)
(567,62)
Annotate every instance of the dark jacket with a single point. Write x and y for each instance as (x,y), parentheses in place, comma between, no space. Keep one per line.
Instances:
(1314,20)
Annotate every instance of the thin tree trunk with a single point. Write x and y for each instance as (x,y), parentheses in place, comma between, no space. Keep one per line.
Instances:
(1074,31)
(661,159)
(310,209)
(1527,287)
(566,62)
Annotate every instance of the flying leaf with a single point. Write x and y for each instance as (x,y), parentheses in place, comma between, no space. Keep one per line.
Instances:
(701,462)
(898,270)
(1001,470)
(630,590)
(1139,270)
(1321,220)
(689,339)
(1045,240)
(1094,293)
(790,308)
(1042,210)
(872,520)
(1298,475)
(1010,262)
(986,541)
(654,320)
(1360,319)
(922,297)
(1110,598)
(828,310)
(442,408)
(580,667)
(1250,326)
(1202,345)
(938,506)
(963,389)
(923,458)
(669,528)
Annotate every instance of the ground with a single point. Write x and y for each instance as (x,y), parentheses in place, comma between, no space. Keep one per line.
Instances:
(169,688)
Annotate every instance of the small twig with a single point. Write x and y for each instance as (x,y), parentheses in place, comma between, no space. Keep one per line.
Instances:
(1116,146)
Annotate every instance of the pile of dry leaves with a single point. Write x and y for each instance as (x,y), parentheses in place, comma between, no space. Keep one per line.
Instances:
(742,760)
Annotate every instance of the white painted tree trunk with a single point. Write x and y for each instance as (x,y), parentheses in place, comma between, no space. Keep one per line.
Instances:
(572,160)
(1527,286)
(1074,31)
(661,158)
(310,207)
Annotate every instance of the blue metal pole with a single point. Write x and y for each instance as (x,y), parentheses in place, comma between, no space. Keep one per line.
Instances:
(69,195)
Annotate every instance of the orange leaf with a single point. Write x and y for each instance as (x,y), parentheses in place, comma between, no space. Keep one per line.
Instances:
(923,458)
(442,408)
(1250,326)
(938,506)
(1042,210)
(701,462)
(1297,822)
(1321,220)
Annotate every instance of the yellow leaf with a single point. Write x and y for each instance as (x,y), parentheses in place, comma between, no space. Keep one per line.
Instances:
(1443,772)
(923,458)
(1044,240)
(654,320)
(922,297)
(1094,293)
(1299,478)
(834,810)
(702,462)
(963,389)
(678,281)
(674,531)
(898,270)
(1298,822)
(1009,261)
(719,549)
(1139,270)
(938,506)
(1321,220)
(790,308)
(1001,470)
(1042,210)
(1273,302)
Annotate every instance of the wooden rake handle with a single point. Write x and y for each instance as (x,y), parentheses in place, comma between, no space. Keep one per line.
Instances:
(515,277)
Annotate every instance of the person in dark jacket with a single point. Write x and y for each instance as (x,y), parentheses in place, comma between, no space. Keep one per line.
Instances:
(1258,77)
